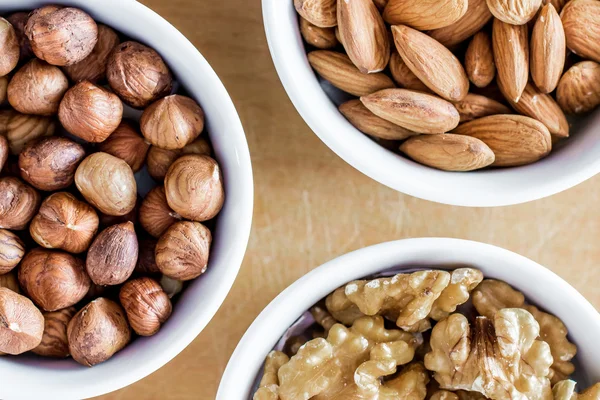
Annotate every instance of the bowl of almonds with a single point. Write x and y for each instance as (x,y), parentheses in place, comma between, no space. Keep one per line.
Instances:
(463,102)
(421,319)
(125,196)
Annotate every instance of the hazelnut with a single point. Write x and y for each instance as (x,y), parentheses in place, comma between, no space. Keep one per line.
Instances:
(146,304)
(127,144)
(109,220)
(21,129)
(3,151)
(182,252)
(97,332)
(10,281)
(95,292)
(54,340)
(3,90)
(146,264)
(12,251)
(90,112)
(113,255)
(159,160)
(50,164)
(155,214)
(138,74)
(21,323)
(172,122)
(172,287)
(18,203)
(199,146)
(93,67)
(18,21)
(194,187)
(37,88)
(107,183)
(61,36)
(65,223)
(53,279)
(9,47)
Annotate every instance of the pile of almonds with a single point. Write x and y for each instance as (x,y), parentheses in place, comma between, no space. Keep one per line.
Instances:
(527,63)
(84,260)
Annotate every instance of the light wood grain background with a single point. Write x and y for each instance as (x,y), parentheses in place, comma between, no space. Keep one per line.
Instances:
(311,206)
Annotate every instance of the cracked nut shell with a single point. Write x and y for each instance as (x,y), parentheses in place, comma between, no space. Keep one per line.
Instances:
(50,163)
(194,187)
(61,35)
(113,255)
(155,214)
(18,203)
(12,250)
(21,323)
(21,129)
(146,304)
(54,340)
(127,144)
(183,250)
(138,74)
(97,332)
(53,280)
(9,47)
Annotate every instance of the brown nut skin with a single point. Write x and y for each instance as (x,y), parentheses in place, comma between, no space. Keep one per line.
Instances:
(4,150)
(97,332)
(10,281)
(53,280)
(172,122)
(146,304)
(9,47)
(160,160)
(93,67)
(37,88)
(113,255)
(138,74)
(21,323)
(18,203)
(127,144)
(12,250)
(61,36)
(49,164)
(18,21)
(21,129)
(194,187)
(109,220)
(54,341)
(183,250)
(155,214)
(90,112)
(146,264)
(107,183)
(65,223)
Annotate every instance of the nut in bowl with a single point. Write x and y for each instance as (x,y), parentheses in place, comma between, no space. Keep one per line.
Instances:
(86,303)
(463,102)
(413,325)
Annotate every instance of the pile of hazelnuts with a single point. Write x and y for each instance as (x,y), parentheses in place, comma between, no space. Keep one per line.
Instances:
(84,261)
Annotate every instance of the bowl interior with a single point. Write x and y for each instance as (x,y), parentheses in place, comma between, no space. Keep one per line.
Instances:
(569,164)
(541,287)
(200,301)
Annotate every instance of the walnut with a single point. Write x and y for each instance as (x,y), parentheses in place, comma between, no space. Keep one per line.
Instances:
(492,295)
(54,341)
(322,317)
(565,390)
(410,384)
(269,384)
(21,129)
(500,358)
(444,395)
(462,283)
(9,47)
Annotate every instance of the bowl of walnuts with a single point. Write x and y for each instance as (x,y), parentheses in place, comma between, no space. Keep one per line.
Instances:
(462,102)
(125,196)
(421,318)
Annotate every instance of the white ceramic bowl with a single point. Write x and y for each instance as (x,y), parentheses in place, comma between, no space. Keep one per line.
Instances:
(29,377)
(540,286)
(571,163)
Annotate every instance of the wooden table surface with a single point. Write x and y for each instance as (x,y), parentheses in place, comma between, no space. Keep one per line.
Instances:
(311,206)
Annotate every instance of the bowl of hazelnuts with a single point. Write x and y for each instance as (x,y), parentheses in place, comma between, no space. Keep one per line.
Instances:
(125,196)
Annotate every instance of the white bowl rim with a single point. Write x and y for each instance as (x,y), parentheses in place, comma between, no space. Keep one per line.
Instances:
(284,310)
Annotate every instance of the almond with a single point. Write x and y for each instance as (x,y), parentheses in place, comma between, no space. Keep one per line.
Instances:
(515,12)
(449,152)
(367,122)
(415,111)
(363,34)
(432,63)
(548,50)
(479,60)
(511,52)
(322,13)
(477,16)
(404,76)
(581,21)
(321,38)
(425,14)
(343,74)
(579,89)
(558,4)
(476,106)
(541,106)
(514,139)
